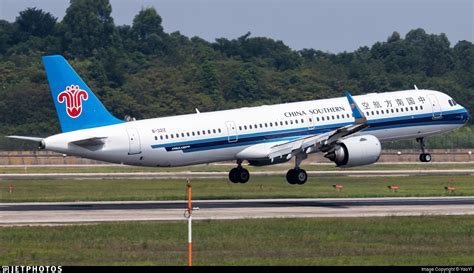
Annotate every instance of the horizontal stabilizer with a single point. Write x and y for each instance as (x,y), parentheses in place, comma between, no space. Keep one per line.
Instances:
(37,139)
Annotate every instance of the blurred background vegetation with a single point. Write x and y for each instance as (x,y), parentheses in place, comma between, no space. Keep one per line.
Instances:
(144,72)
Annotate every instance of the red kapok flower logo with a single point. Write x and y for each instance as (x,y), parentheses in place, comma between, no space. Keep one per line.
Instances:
(73,97)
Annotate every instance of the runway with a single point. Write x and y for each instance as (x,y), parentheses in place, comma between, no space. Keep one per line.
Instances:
(95,212)
(220,175)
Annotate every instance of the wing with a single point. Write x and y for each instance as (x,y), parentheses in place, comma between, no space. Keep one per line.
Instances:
(323,142)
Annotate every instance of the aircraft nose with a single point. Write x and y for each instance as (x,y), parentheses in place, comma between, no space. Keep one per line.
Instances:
(466,115)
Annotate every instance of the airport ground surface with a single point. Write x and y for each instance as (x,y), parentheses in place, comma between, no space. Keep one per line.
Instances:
(93,228)
(93,212)
(413,240)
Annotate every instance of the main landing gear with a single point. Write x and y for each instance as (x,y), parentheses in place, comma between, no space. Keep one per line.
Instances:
(424,156)
(239,174)
(297,175)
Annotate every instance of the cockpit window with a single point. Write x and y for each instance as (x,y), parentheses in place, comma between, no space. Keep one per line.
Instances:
(450,102)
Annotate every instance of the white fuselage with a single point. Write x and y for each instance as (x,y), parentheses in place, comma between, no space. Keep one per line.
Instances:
(225,135)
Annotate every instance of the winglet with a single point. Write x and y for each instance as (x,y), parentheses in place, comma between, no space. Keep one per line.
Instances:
(356,112)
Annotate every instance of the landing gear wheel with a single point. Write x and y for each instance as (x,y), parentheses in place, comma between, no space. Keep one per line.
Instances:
(239,175)
(243,176)
(296,176)
(233,175)
(425,157)
(291,177)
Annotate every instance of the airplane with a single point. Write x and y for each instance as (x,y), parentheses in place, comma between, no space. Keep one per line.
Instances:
(347,130)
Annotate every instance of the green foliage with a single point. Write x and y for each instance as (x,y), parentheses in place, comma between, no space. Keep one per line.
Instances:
(34,22)
(143,71)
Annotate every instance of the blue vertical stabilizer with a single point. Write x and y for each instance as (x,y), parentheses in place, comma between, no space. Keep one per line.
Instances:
(76,105)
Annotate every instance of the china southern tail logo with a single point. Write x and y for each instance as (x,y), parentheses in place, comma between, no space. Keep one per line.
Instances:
(73,97)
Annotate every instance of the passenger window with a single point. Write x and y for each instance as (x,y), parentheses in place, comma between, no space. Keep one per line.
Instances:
(156,138)
(296,121)
(302,120)
(266,125)
(317,119)
(198,133)
(416,108)
(377,112)
(171,136)
(240,128)
(322,118)
(219,130)
(214,131)
(250,126)
(372,113)
(382,112)
(291,121)
(177,135)
(161,137)
(203,132)
(421,107)
(245,127)
(166,136)
(192,133)
(286,122)
(406,108)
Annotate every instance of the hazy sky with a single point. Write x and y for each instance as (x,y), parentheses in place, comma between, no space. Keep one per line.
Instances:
(328,25)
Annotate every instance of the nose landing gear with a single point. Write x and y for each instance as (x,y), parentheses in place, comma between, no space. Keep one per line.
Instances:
(424,156)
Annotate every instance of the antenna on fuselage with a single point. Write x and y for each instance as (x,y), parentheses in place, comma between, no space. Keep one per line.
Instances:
(416,88)
(197,111)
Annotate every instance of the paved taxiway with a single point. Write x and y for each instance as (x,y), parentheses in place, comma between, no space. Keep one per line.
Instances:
(207,175)
(94,212)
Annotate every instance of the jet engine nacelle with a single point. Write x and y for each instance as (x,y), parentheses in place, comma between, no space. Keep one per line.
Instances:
(356,151)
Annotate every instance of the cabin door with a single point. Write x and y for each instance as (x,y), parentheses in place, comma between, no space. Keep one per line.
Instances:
(134,146)
(435,107)
(231,131)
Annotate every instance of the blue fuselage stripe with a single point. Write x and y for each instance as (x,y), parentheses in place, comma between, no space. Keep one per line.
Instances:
(449,117)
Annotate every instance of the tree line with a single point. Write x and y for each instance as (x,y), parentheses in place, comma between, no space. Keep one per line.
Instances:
(142,71)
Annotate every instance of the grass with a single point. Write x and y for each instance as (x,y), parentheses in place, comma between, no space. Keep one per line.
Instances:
(226,168)
(257,187)
(420,240)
